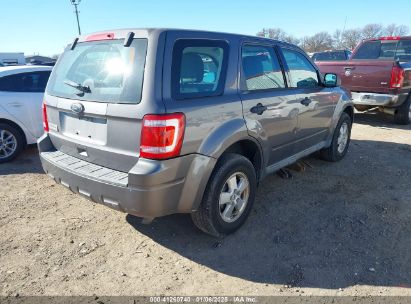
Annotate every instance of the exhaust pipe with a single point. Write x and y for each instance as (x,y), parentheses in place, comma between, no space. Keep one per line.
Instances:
(390,111)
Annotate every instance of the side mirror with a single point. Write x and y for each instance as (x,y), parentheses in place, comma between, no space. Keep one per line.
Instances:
(331,80)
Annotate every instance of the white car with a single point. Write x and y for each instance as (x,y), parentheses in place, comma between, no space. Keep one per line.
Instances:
(21,96)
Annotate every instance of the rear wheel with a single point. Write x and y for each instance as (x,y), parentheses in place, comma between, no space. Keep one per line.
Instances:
(228,197)
(340,141)
(403,114)
(11,142)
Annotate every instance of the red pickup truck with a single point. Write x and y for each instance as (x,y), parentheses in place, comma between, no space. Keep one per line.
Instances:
(378,74)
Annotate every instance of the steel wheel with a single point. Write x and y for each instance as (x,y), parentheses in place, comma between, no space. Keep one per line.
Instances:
(8,144)
(234,197)
(342,138)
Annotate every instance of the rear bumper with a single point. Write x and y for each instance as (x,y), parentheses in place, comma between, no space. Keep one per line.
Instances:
(375,99)
(150,189)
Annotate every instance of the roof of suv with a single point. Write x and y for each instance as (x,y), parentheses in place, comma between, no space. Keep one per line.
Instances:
(122,33)
(16,69)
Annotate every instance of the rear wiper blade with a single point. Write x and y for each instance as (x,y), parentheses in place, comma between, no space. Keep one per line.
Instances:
(84,89)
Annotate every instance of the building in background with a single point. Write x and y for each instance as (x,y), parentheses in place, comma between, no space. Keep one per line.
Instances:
(40,60)
(12,59)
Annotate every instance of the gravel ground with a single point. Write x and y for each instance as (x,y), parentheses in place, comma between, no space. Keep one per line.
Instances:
(334,229)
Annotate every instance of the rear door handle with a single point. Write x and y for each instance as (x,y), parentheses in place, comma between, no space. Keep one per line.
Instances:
(349,68)
(306,101)
(258,109)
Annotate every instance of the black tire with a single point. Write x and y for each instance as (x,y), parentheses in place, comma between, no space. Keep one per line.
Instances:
(208,217)
(19,142)
(332,153)
(402,115)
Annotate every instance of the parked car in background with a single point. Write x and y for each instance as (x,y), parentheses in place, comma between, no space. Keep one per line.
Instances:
(154,122)
(21,95)
(378,75)
(335,55)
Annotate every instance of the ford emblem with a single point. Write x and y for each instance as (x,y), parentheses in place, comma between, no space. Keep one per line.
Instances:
(77,108)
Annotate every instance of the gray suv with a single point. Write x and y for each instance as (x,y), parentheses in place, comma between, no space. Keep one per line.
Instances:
(155,121)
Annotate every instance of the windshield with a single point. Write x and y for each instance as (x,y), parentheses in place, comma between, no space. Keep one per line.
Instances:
(102,71)
(329,56)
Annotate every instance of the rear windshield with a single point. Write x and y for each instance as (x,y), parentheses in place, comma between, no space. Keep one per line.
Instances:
(385,50)
(329,56)
(102,71)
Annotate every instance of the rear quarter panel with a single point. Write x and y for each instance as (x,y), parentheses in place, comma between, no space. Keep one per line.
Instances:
(6,116)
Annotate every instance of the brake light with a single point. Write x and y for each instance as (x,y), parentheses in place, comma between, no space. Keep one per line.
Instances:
(45,119)
(162,135)
(390,38)
(103,36)
(397,77)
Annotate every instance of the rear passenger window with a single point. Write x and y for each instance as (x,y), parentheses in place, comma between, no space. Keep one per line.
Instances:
(25,82)
(199,68)
(404,50)
(302,72)
(376,50)
(261,68)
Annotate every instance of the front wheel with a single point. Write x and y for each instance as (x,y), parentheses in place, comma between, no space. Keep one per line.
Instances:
(340,141)
(228,197)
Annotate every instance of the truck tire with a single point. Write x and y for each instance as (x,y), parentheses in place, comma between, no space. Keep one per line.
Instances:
(11,142)
(340,141)
(228,197)
(403,114)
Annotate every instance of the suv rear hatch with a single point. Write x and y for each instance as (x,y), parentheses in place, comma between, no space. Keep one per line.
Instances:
(93,100)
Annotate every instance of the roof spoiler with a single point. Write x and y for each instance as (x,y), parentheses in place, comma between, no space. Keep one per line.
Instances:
(127,40)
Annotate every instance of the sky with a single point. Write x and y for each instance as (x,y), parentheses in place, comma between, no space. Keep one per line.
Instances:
(46,26)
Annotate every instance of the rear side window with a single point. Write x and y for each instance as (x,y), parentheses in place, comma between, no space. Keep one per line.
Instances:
(302,72)
(376,50)
(34,82)
(330,56)
(404,50)
(261,68)
(199,68)
(105,71)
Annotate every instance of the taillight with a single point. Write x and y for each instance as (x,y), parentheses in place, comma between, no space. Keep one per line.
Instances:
(45,119)
(162,135)
(390,38)
(397,77)
(102,36)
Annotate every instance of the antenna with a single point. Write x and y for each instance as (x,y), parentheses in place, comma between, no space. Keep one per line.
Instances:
(345,23)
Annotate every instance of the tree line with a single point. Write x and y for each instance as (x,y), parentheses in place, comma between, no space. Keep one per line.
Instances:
(340,39)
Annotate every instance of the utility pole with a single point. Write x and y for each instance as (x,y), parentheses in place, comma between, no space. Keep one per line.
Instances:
(76,4)
(345,24)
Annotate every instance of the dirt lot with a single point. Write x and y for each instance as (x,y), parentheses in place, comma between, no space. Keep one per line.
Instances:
(335,229)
